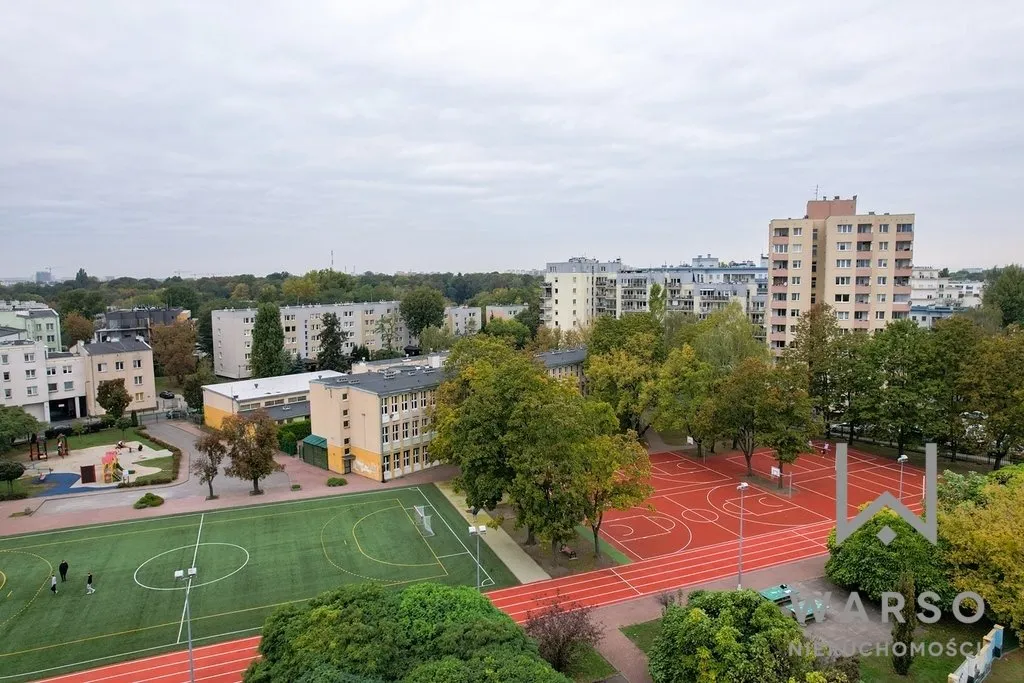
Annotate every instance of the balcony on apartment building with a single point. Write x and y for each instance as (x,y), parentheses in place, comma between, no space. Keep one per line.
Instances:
(780,267)
(862,283)
(780,282)
(776,336)
(864,246)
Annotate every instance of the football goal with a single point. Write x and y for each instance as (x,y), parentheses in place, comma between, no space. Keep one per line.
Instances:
(423,520)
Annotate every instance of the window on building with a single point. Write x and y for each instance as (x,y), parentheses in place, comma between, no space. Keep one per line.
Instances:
(883,246)
(119,365)
(794,312)
(394,431)
(842,298)
(394,404)
(880,298)
(51,371)
(842,315)
(904,227)
(882,279)
(51,338)
(33,391)
(386,462)
(843,263)
(69,386)
(4,359)
(797,263)
(52,387)
(844,228)
(49,326)
(30,374)
(405,458)
(405,430)
(384,433)
(795,296)
(879,315)
(416,456)
(883,227)
(384,406)
(843,246)
(415,428)
(843,280)
(30,358)
(864,263)
(7,377)
(405,402)
(7,393)
(797,232)
(138,380)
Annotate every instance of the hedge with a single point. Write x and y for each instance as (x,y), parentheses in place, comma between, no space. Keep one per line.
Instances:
(149,500)
(289,435)
(175,462)
(336,481)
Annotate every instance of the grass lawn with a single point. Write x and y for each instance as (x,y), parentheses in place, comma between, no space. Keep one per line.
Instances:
(250,560)
(104,437)
(592,668)
(28,485)
(928,668)
(165,464)
(1009,669)
(643,634)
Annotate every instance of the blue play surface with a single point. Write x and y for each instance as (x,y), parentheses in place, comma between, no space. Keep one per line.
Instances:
(62,483)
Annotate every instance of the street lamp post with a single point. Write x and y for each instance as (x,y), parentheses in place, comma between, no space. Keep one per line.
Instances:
(478,531)
(902,460)
(188,575)
(739,583)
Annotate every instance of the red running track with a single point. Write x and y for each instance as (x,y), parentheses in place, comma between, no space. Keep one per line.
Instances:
(690,537)
(220,663)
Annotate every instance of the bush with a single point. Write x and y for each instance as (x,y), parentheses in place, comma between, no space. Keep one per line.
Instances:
(296,487)
(287,443)
(337,481)
(289,435)
(108,420)
(564,635)
(54,432)
(863,563)
(78,428)
(149,500)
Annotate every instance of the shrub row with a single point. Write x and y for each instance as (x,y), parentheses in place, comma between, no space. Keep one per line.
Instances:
(14,495)
(337,481)
(175,462)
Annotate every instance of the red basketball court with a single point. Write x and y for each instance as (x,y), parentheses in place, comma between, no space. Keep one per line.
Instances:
(691,536)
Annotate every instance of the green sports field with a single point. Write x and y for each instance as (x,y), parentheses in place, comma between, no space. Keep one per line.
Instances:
(249,561)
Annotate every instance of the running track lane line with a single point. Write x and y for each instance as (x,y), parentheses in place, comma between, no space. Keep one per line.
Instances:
(163,667)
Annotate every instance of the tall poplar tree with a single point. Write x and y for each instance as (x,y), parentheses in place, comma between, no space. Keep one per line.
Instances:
(267,342)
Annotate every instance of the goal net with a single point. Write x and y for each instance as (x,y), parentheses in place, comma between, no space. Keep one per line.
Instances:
(423,520)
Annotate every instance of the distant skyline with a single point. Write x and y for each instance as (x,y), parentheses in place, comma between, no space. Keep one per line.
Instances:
(236,137)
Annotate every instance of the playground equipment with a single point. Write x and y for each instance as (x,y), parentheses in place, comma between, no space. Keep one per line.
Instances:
(37,447)
(111,468)
(62,446)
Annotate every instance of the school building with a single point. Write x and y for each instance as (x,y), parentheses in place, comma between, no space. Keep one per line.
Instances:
(284,398)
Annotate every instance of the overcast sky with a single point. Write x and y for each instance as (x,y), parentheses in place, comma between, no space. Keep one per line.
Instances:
(149,137)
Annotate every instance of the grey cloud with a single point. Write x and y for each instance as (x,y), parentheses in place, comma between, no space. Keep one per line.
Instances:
(250,136)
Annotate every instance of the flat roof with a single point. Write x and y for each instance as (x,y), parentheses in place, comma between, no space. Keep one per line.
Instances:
(250,389)
(561,358)
(123,346)
(300,410)
(389,382)
(7,331)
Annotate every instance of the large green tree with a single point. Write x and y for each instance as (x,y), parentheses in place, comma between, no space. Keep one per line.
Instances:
(636,332)
(436,339)
(516,333)
(423,633)
(113,397)
(15,424)
(955,342)
(192,389)
(1005,292)
(726,338)
(682,388)
(656,300)
(266,359)
(422,307)
(904,626)
(75,328)
(734,636)
(486,379)
(785,419)
(332,339)
(251,444)
(903,406)
(815,349)
(387,329)
(994,385)
(627,382)
(856,378)
(174,349)
(616,475)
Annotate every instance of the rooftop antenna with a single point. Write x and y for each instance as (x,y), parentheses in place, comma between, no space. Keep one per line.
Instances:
(815,193)
(332,259)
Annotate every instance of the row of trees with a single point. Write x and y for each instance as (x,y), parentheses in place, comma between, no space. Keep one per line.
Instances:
(557,458)
(955,384)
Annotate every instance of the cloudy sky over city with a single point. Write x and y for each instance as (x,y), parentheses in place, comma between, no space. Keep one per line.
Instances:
(150,137)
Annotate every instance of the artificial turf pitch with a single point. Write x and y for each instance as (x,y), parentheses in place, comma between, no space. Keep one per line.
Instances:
(249,560)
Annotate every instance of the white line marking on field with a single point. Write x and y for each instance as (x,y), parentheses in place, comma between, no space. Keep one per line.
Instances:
(195,554)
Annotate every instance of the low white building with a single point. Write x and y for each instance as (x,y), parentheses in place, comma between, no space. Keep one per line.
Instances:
(284,398)
(49,386)
(928,288)
(41,323)
(462,320)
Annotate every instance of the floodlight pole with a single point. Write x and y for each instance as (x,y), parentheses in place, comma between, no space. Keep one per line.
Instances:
(902,460)
(181,575)
(739,582)
(477,530)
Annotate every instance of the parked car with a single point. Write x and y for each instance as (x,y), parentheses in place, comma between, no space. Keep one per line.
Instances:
(166,394)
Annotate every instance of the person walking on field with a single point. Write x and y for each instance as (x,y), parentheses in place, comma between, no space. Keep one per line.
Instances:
(89,590)
(63,571)
(53,583)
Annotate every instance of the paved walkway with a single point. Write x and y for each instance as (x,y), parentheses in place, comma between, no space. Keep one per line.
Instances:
(627,657)
(507,550)
(188,494)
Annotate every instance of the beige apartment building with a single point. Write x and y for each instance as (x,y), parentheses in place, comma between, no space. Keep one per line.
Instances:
(859,264)
(129,360)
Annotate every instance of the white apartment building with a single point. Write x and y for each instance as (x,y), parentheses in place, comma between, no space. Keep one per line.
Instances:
(59,386)
(462,320)
(706,285)
(232,332)
(858,264)
(503,312)
(577,291)
(41,323)
(927,288)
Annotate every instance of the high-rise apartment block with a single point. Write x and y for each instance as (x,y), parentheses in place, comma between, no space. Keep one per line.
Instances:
(859,264)
(577,291)
(361,323)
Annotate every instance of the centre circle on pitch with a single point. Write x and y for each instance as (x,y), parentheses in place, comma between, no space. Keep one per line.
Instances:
(700,515)
(160,568)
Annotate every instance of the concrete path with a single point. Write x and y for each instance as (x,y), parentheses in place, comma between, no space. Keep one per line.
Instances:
(188,494)
(627,657)
(507,550)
